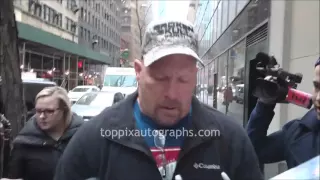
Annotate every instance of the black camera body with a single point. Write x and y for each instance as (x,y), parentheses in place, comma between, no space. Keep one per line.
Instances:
(275,84)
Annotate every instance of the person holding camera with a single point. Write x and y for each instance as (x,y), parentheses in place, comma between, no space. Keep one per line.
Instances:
(298,141)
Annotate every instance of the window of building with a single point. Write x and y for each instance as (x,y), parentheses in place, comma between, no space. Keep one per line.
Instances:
(92,20)
(67,25)
(81,31)
(219,11)
(71,4)
(232,11)
(85,16)
(70,25)
(222,82)
(89,17)
(215,25)
(58,20)
(241,4)
(52,16)
(236,69)
(35,8)
(45,13)
(225,14)
(215,5)
(205,83)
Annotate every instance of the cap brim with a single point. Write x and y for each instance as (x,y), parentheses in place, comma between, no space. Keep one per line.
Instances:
(158,53)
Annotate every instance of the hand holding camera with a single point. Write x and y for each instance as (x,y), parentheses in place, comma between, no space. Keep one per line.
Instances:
(274,85)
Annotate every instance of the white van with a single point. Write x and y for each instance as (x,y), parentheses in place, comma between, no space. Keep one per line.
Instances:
(119,79)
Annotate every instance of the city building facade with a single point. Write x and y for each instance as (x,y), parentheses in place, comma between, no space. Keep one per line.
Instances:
(100,25)
(58,17)
(192,10)
(49,43)
(231,33)
(132,26)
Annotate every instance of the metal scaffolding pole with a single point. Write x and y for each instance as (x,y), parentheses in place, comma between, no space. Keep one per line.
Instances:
(53,61)
(52,70)
(23,54)
(83,68)
(69,72)
(63,71)
(77,75)
(42,63)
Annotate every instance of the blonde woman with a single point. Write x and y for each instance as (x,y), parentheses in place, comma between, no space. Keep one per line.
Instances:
(38,146)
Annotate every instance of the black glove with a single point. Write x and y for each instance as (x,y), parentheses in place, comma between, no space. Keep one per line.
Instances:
(271,90)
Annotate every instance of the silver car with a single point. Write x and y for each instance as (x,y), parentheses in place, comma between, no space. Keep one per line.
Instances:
(91,104)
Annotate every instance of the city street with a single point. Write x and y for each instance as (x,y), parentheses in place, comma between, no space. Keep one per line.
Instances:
(235,109)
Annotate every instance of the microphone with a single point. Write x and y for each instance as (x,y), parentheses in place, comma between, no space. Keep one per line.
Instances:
(299,98)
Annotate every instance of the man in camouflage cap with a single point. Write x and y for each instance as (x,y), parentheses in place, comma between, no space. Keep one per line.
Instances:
(178,135)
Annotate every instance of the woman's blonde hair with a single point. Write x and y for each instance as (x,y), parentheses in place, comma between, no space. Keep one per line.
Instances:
(62,95)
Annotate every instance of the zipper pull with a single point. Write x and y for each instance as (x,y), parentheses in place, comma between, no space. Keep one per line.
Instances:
(178,177)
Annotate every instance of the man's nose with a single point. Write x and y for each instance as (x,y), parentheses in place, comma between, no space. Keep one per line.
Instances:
(172,90)
(41,115)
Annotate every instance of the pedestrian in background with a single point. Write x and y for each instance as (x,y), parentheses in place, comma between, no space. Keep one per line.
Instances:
(42,140)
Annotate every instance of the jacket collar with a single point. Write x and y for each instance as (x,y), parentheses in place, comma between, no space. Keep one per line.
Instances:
(31,133)
(125,124)
(310,120)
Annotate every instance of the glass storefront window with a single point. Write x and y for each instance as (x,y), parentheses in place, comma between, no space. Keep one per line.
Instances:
(222,81)
(224,24)
(214,4)
(209,29)
(214,27)
(253,14)
(241,4)
(236,68)
(202,86)
(253,50)
(210,83)
(219,11)
(205,85)
(232,10)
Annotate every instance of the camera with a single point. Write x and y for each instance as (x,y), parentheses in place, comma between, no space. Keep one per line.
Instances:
(275,84)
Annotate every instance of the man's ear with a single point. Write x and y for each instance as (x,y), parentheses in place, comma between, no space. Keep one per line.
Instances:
(138,66)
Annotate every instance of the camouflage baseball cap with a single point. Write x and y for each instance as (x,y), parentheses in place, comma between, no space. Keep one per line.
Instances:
(167,37)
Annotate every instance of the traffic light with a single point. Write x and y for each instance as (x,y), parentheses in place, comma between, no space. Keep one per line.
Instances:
(80,64)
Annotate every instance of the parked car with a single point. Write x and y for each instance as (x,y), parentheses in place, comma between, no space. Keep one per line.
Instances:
(239,93)
(91,104)
(77,92)
(31,87)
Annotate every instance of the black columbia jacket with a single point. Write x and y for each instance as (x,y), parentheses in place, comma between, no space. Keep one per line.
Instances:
(129,158)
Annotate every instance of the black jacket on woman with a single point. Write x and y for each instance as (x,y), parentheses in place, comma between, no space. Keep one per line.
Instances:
(35,154)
